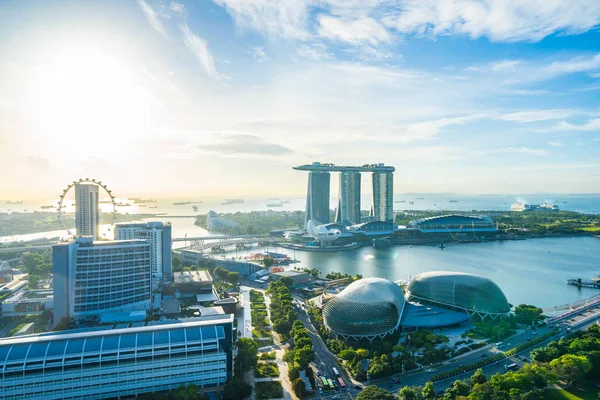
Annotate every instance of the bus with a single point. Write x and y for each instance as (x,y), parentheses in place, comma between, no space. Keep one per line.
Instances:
(336,373)
(330,383)
(511,367)
(342,384)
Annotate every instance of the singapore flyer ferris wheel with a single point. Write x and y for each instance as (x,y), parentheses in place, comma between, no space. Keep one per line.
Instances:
(74,184)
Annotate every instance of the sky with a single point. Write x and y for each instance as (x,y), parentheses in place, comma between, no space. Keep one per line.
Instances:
(223,97)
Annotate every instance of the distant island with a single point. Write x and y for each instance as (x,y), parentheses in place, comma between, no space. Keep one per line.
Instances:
(185,203)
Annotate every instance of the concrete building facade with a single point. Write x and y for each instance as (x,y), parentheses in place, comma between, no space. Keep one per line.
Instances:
(159,236)
(93,277)
(87,210)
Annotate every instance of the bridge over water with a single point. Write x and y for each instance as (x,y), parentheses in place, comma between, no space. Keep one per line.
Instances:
(219,242)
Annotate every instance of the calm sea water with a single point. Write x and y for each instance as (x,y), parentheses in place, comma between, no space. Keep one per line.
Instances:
(530,271)
(427,201)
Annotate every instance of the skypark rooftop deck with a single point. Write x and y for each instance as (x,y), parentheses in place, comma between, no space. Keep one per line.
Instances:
(328,167)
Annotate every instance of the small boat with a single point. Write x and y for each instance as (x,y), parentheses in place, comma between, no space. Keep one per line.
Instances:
(195,208)
(46,207)
(274,205)
(399,201)
(143,205)
(452,201)
(411,202)
(153,206)
(420,198)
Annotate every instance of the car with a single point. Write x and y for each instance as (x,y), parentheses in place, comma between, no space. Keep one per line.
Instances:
(484,355)
(461,365)
(359,387)
(336,397)
(430,370)
(440,392)
(320,390)
(534,333)
(396,379)
(528,339)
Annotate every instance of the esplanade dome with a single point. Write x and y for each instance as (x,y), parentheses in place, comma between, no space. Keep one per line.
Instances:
(367,308)
(457,290)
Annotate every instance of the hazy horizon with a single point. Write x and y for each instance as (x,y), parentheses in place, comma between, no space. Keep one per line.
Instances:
(223,98)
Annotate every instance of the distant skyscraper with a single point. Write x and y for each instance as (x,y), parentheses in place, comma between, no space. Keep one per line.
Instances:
(159,237)
(349,198)
(317,198)
(383,196)
(87,211)
(94,277)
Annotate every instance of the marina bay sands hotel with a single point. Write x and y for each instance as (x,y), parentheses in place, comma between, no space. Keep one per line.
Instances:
(348,210)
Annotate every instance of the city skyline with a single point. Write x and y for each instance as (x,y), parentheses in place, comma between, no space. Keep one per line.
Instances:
(229,95)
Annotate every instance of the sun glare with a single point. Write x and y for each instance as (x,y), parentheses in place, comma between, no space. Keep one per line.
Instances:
(85,91)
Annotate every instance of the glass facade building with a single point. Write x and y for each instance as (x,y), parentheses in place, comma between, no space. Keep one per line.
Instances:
(93,277)
(317,197)
(368,308)
(470,293)
(111,363)
(348,211)
(383,196)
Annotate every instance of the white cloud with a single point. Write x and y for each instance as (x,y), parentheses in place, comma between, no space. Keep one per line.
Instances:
(352,30)
(498,20)
(539,115)
(555,143)
(595,75)
(287,18)
(198,47)
(152,17)
(177,7)
(505,65)
(591,125)
(518,150)
(314,52)
(577,64)
(259,55)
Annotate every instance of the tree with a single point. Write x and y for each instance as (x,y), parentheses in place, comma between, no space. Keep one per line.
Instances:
(408,393)
(459,388)
(233,278)
(298,387)
(268,262)
(571,367)
(478,377)
(247,355)
(282,326)
(236,389)
(287,281)
(303,342)
(293,374)
(34,281)
(303,357)
(189,392)
(428,391)
(375,393)
(62,324)
(527,314)
(176,262)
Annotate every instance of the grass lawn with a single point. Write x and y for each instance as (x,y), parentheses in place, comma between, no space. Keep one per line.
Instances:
(584,391)
(266,369)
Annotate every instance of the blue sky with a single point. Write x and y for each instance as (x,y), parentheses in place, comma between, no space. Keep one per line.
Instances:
(224,97)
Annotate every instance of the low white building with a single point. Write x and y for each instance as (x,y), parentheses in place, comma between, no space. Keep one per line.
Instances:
(112,363)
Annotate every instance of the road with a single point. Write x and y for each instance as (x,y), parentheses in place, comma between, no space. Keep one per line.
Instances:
(325,361)
(578,321)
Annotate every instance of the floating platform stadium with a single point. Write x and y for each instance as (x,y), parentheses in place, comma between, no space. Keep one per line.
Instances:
(373,308)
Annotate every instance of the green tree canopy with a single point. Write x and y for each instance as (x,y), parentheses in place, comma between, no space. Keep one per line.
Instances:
(571,367)
(247,355)
(303,357)
(527,314)
(237,389)
(375,393)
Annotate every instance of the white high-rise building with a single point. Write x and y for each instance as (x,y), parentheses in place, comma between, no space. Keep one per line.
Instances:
(87,210)
(94,277)
(159,237)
